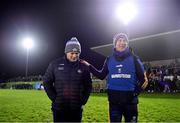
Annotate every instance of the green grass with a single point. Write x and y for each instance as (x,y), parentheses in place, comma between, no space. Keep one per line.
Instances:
(34,106)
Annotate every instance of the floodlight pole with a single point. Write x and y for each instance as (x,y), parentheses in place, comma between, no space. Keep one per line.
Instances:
(27,44)
(27,62)
(127,31)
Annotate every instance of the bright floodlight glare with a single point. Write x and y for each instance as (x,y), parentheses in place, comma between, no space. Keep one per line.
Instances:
(28,43)
(126,12)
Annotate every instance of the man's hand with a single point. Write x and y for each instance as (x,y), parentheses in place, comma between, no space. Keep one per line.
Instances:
(145,82)
(85,62)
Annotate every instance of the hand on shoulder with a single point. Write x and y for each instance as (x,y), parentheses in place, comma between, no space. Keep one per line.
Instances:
(85,62)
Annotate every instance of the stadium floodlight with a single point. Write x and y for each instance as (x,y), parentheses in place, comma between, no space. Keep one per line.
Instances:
(28,44)
(126,12)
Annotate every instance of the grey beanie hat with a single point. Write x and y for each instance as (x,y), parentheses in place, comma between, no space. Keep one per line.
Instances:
(118,36)
(73,45)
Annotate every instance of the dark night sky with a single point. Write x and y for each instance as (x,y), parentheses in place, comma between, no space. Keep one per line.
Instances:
(51,23)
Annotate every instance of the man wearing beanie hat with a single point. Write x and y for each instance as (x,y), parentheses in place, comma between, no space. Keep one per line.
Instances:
(73,45)
(68,84)
(125,74)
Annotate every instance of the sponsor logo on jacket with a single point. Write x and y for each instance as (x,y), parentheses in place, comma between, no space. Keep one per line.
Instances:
(126,76)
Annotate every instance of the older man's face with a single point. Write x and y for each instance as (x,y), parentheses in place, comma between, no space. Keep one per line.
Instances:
(72,56)
(121,45)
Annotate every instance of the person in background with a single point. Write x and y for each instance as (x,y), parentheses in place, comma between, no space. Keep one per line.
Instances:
(126,77)
(68,84)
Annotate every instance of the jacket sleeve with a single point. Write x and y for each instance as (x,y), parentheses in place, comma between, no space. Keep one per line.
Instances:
(48,82)
(101,74)
(87,87)
(140,76)
(140,71)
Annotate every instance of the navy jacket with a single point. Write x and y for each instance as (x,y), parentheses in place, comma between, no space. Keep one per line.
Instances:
(67,84)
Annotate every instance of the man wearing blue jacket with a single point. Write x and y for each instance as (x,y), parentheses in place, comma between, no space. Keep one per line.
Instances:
(125,78)
(68,84)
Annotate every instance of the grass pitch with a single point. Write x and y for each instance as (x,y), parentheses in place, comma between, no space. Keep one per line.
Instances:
(34,106)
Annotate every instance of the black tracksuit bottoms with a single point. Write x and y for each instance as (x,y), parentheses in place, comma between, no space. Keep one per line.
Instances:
(67,115)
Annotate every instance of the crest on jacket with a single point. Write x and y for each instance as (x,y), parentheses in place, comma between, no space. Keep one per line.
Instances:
(119,70)
(79,71)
